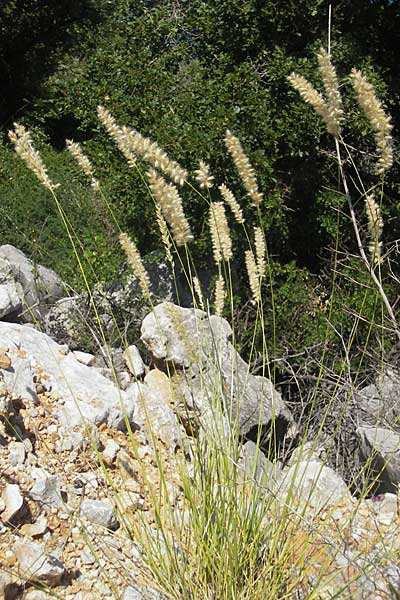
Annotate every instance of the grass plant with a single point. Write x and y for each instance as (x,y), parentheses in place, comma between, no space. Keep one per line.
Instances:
(238,535)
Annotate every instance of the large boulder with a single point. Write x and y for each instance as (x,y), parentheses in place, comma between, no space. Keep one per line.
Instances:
(205,367)
(85,396)
(378,403)
(121,306)
(380,451)
(27,290)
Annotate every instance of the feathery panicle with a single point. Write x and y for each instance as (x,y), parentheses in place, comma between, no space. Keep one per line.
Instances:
(167,195)
(203,177)
(199,293)
(252,272)
(311,96)
(83,161)
(220,235)
(375,226)
(21,138)
(245,170)
(260,251)
(150,151)
(165,236)
(232,203)
(379,120)
(219,295)
(118,134)
(135,261)
(331,85)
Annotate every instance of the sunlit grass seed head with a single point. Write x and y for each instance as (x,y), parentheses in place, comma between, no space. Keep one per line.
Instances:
(165,236)
(203,177)
(152,153)
(380,122)
(199,293)
(243,166)
(220,295)
(331,86)
(232,203)
(133,256)
(118,134)
(23,145)
(260,251)
(252,273)
(375,227)
(220,235)
(167,196)
(311,96)
(83,161)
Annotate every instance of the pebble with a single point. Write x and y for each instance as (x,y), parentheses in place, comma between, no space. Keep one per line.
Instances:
(35,529)
(36,564)
(13,501)
(47,491)
(110,451)
(99,513)
(16,453)
(134,361)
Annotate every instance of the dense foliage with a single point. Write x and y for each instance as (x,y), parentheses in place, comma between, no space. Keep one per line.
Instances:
(182,72)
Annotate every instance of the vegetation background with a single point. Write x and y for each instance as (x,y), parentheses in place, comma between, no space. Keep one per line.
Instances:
(182,72)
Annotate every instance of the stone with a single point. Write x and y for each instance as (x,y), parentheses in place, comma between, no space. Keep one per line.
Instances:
(72,320)
(36,565)
(153,411)
(13,502)
(10,301)
(378,403)
(85,358)
(16,453)
(78,437)
(19,378)
(36,529)
(197,347)
(47,490)
(314,484)
(99,512)
(37,287)
(380,449)
(86,394)
(110,451)
(254,467)
(8,589)
(134,361)
(37,595)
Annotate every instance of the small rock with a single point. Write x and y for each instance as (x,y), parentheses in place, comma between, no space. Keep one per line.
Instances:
(255,467)
(124,379)
(35,529)
(110,451)
(38,595)
(6,586)
(154,413)
(380,448)
(13,501)
(99,513)
(36,565)
(85,358)
(47,490)
(127,501)
(134,361)
(16,453)
(87,557)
